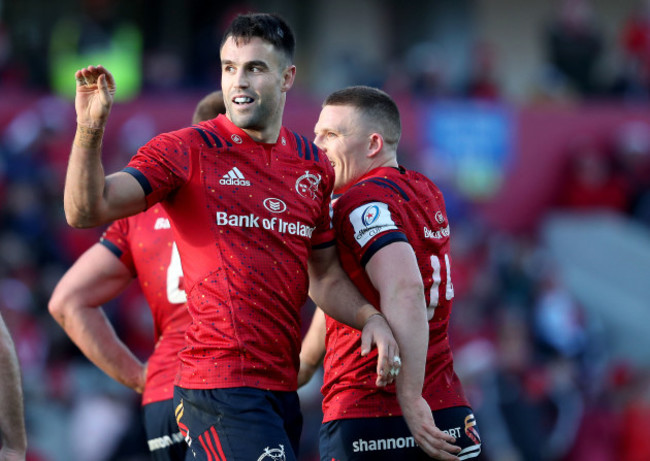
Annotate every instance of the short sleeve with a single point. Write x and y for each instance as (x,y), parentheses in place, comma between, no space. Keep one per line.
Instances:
(162,165)
(365,225)
(116,239)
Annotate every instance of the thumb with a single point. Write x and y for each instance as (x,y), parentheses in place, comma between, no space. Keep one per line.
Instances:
(366,343)
(102,84)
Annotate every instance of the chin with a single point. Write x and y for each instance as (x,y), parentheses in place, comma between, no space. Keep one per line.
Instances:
(246,122)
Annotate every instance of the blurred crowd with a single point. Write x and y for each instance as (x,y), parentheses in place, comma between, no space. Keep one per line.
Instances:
(534,363)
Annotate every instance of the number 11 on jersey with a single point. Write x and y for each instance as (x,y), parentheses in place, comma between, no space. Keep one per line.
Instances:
(434,297)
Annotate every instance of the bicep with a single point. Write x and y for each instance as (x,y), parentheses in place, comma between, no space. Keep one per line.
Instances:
(394,268)
(321,263)
(124,196)
(97,277)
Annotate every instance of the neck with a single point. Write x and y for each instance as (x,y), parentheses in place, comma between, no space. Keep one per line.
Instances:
(387,160)
(268,135)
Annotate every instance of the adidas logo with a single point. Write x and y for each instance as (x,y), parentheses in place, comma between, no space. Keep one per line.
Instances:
(234,178)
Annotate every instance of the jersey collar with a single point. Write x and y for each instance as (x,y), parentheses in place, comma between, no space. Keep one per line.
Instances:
(381,171)
(240,138)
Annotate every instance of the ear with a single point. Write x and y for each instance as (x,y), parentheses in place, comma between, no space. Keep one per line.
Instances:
(288,77)
(375,145)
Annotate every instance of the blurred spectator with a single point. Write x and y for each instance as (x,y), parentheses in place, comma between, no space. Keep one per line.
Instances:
(426,70)
(574,44)
(634,79)
(590,180)
(482,82)
(102,418)
(632,152)
(598,434)
(558,319)
(5,54)
(635,445)
(516,393)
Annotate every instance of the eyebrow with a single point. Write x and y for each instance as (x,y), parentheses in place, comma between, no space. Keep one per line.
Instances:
(255,63)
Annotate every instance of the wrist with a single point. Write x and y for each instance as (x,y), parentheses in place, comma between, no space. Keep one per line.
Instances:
(366,313)
(88,137)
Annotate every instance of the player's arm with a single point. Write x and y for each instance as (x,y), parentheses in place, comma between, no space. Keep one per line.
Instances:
(312,350)
(394,272)
(13,438)
(94,279)
(90,198)
(331,289)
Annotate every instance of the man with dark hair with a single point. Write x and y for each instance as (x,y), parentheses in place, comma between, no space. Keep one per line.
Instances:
(139,246)
(393,241)
(249,206)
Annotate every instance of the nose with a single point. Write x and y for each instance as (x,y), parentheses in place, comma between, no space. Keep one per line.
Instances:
(241,78)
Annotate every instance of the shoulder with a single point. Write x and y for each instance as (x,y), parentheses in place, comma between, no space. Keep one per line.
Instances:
(360,202)
(306,149)
(204,134)
(212,134)
(372,189)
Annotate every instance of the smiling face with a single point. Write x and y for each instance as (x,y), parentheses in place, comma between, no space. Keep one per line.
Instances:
(342,133)
(255,77)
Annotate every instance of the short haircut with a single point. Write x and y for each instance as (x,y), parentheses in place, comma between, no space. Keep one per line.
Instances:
(375,104)
(209,107)
(269,27)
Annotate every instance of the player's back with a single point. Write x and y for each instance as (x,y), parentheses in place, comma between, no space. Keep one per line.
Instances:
(144,243)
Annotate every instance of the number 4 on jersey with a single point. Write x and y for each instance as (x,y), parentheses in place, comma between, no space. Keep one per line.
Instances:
(175,294)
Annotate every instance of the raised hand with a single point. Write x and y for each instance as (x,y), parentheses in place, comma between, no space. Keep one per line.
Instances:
(94,96)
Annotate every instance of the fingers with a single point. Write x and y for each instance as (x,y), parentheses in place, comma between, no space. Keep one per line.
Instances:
(87,76)
(440,445)
(366,343)
(388,366)
(94,75)
(396,367)
(377,332)
(110,80)
(79,78)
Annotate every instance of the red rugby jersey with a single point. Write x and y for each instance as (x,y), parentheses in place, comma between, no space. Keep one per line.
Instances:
(385,206)
(245,218)
(145,245)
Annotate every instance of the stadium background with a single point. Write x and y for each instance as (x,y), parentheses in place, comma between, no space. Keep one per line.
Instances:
(532,116)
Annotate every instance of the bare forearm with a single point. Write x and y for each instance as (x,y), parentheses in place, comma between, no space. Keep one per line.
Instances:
(341,300)
(85,181)
(403,303)
(313,345)
(12,420)
(410,327)
(91,331)
(313,348)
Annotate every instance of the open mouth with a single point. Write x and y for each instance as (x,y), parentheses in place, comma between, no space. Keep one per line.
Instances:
(239,100)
